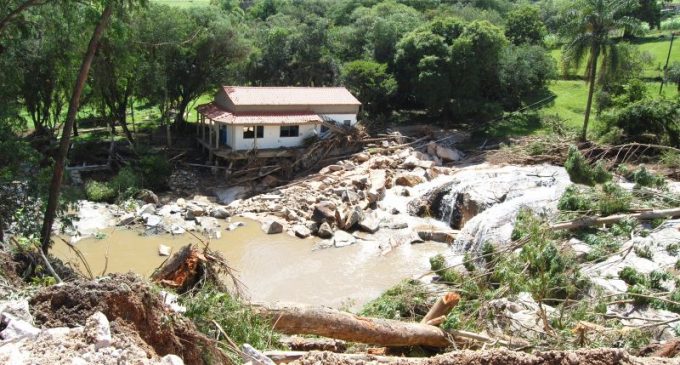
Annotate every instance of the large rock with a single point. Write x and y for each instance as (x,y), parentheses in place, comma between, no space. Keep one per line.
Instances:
(446,154)
(164,250)
(148,196)
(302,231)
(220,213)
(437,235)
(353,218)
(369,224)
(126,219)
(325,231)
(324,212)
(98,331)
(483,201)
(342,239)
(272,227)
(409,180)
(17,328)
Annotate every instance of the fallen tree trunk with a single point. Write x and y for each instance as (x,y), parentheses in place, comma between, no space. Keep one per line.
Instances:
(591,221)
(349,327)
(441,307)
(314,344)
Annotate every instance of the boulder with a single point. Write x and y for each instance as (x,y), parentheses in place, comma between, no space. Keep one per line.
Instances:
(146,209)
(270,181)
(17,308)
(219,213)
(152,220)
(342,239)
(17,328)
(369,224)
(312,226)
(301,231)
(409,180)
(98,331)
(272,227)
(235,225)
(148,196)
(194,211)
(362,157)
(325,231)
(446,154)
(126,219)
(163,250)
(398,225)
(353,218)
(171,360)
(437,235)
(324,212)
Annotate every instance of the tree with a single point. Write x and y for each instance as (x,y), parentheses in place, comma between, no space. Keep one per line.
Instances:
(524,71)
(589,34)
(524,26)
(57,176)
(371,83)
(188,52)
(648,11)
(12,10)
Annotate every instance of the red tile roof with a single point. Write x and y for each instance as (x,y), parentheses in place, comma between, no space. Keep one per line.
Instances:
(244,95)
(214,112)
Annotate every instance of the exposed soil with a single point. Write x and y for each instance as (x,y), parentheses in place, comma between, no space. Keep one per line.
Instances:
(128,302)
(497,357)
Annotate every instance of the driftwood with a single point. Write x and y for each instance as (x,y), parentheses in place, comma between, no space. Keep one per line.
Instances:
(591,221)
(441,307)
(328,322)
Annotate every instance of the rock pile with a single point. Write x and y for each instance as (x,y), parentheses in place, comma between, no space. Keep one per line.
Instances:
(95,343)
(349,196)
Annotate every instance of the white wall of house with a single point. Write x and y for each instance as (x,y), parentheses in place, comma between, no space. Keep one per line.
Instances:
(271,137)
(341,118)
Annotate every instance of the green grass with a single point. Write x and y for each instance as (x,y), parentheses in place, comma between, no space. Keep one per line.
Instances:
(571,96)
(183,3)
(656,44)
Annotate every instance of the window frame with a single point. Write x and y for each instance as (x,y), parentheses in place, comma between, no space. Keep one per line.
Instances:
(289,131)
(256,130)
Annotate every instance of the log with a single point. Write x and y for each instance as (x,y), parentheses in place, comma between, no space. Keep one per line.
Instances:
(591,221)
(296,343)
(284,357)
(327,322)
(441,307)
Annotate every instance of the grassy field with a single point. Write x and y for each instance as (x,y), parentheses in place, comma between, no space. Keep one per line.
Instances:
(656,44)
(570,102)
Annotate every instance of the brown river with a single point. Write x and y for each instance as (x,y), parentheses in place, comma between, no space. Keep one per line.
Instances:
(273,267)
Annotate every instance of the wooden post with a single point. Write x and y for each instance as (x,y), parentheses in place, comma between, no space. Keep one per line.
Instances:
(217,135)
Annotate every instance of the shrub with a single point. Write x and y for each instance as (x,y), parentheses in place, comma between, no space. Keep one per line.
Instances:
(437,262)
(644,252)
(125,182)
(99,192)
(575,200)
(407,299)
(632,276)
(234,317)
(580,172)
(155,171)
(613,199)
(649,120)
(642,177)
(671,159)
(656,278)
(673,249)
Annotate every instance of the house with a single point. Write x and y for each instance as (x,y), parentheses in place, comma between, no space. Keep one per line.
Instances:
(270,120)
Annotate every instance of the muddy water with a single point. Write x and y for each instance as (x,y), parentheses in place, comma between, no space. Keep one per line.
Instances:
(273,267)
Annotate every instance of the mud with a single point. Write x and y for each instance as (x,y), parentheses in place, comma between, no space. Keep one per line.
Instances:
(131,305)
(495,357)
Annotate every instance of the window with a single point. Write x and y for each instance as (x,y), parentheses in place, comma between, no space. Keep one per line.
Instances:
(324,129)
(290,131)
(347,122)
(249,132)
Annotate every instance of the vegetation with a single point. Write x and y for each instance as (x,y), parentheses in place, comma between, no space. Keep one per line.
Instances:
(407,300)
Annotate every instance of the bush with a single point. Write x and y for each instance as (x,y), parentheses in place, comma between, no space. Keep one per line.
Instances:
(642,177)
(407,299)
(648,120)
(125,182)
(632,276)
(437,262)
(100,192)
(234,317)
(613,199)
(575,200)
(155,171)
(580,172)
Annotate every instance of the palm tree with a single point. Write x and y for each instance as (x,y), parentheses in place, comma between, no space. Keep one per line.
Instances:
(589,31)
